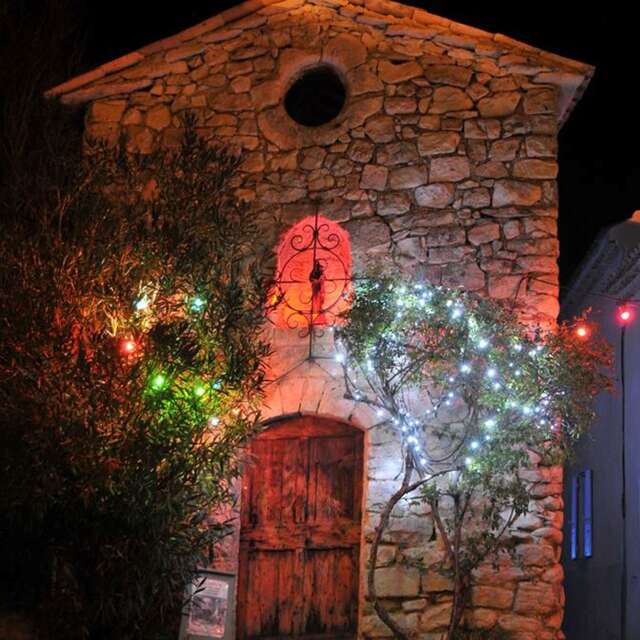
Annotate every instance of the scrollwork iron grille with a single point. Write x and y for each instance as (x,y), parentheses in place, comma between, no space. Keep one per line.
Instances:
(313,284)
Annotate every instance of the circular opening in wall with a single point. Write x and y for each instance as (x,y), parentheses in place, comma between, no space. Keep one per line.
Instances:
(316,97)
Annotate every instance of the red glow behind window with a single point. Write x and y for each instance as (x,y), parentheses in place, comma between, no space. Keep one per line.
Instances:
(313,274)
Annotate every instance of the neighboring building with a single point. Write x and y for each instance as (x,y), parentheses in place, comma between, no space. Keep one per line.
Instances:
(403,139)
(602,491)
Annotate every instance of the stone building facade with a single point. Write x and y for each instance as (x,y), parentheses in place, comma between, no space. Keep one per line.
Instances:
(441,161)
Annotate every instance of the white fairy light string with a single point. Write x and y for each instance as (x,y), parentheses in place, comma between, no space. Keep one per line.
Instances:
(496,377)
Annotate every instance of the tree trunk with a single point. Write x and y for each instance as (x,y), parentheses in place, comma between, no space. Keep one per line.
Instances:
(398,631)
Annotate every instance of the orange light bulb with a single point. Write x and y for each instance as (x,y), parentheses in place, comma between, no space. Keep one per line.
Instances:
(582,331)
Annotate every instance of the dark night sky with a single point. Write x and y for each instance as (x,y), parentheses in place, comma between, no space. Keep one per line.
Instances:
(599,145)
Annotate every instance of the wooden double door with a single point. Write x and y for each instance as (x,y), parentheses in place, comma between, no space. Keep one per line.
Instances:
(300,532)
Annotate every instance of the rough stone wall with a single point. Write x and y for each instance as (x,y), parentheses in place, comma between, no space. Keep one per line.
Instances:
(443,161)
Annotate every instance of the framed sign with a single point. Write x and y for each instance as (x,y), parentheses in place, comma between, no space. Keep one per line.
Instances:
(209,612)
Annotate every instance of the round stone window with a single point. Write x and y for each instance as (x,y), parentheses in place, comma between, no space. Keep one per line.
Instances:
(316,97)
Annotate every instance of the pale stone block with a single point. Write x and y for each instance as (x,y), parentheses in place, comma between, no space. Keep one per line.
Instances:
(504,150)
(395,106)
(494,597)
(541,146)
(393,73)
(292,390)
(504,286)
(536,598)
(520,624)
(380,128)
(500,105)
(364,416)
(363,80)
(374,177)
(512,192)
(450,74)
(436,616)
(477,199)
(408,177)
(372,627)
(535,169)
(334,404)
(450,169)
(107,111)
(312,396)
(419,604)
(491,169)
(392,204)
(482,129)
(440,142)
(536,555)
(385,461)
(158,117)
(397,153)
(345,50)
(397,581)
(446,99)
(272,404)
(433,581)
(540,101)
(386,554)
(477,618)
(436,196)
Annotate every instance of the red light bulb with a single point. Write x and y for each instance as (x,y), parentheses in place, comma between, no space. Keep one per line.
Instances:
(625,314)
(128,346)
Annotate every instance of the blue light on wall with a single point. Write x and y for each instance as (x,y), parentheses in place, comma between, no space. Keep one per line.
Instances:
(581,523)
(574,517)
(587,514)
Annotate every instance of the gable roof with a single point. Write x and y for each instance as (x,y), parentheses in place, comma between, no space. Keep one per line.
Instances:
(394,18)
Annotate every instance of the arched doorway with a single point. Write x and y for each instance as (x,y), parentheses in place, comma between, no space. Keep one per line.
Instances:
(300,532)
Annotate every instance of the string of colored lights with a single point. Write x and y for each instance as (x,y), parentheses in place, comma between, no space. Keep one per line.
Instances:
(131,348)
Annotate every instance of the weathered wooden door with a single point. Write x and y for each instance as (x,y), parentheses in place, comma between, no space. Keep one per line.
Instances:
(300,532)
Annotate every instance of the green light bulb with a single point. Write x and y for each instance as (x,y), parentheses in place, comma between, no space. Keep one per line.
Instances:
(159,381)
(200,390)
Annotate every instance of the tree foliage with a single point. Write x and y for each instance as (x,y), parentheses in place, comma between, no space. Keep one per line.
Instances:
(131,305)
(477,398)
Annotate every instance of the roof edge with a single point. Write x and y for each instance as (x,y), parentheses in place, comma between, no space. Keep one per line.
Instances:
(609,266)
(129,59)
(398,11)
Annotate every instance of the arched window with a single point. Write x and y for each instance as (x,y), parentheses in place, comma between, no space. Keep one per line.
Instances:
(313,283)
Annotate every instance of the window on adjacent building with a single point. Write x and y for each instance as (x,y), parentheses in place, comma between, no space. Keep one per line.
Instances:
(581,522)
